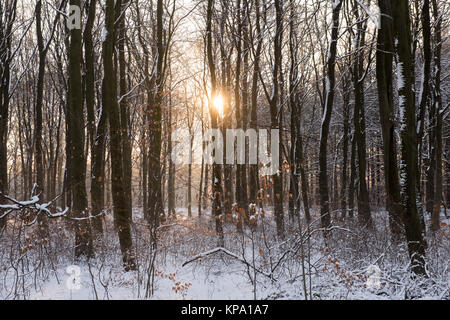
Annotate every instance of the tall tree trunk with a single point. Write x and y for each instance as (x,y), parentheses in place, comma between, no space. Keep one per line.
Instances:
(202,168)
(144,177)
(123,106)
(98,172)
(109,99)
(253,170)
(227,113)
(424,103)
(294,194)
(346,115)
(83,236)
(243,205)
(437,121)
(89,76)
(189,191)
(205,187)
(275,114)
(238,109)
(39,157)
(351,184)
(385,52)
(39,165)
(364,216)
(303,178)
(408,133)
(327,111)
(217,191)
(171,178)
(96,134)
(8,12)
(155,205)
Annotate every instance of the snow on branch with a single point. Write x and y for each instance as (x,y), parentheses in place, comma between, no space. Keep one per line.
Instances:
(36,207)
(369,14)
(32,204)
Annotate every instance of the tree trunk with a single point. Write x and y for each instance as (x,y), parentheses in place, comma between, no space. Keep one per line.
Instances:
(351,184)
(9,14)
(155,205)
(39,157)
(123,106)
(437,123)
(98,172)
(243,204)
(189,195)
(364,216)
(424,103)
(253,170)
(385,51)
(217,191)
(202,168)
(238,111)
(346,115)
(408,133)
(171,178)
(97,134)
(275,106)
(83,236)
(109,96)
(327,111)
(294,194)
(205,188)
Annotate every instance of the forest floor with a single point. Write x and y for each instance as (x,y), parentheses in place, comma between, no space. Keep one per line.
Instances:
(356,264)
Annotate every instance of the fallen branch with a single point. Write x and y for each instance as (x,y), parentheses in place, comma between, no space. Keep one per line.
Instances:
(231,254)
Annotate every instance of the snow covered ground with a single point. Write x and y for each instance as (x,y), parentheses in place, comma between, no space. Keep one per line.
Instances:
(356,265)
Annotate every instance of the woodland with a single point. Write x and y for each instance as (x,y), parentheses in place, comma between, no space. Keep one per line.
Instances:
(95,205)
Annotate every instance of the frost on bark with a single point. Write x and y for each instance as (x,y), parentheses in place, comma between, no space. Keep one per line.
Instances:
(408,164)
(436,122)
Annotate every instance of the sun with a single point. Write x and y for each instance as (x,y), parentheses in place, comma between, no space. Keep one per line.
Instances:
(218,103)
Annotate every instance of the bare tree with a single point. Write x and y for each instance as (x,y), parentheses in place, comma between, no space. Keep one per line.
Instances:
(327,112)
(217,191)
(7,17)
(408,167)
(110,105)
(385,54)
(75,139)
(358,76)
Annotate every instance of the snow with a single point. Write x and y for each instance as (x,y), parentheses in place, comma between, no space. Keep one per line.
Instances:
(373,17)
(400,76)
(335,4)
(104,34)
(190,267)
(9,206)
(34,200)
